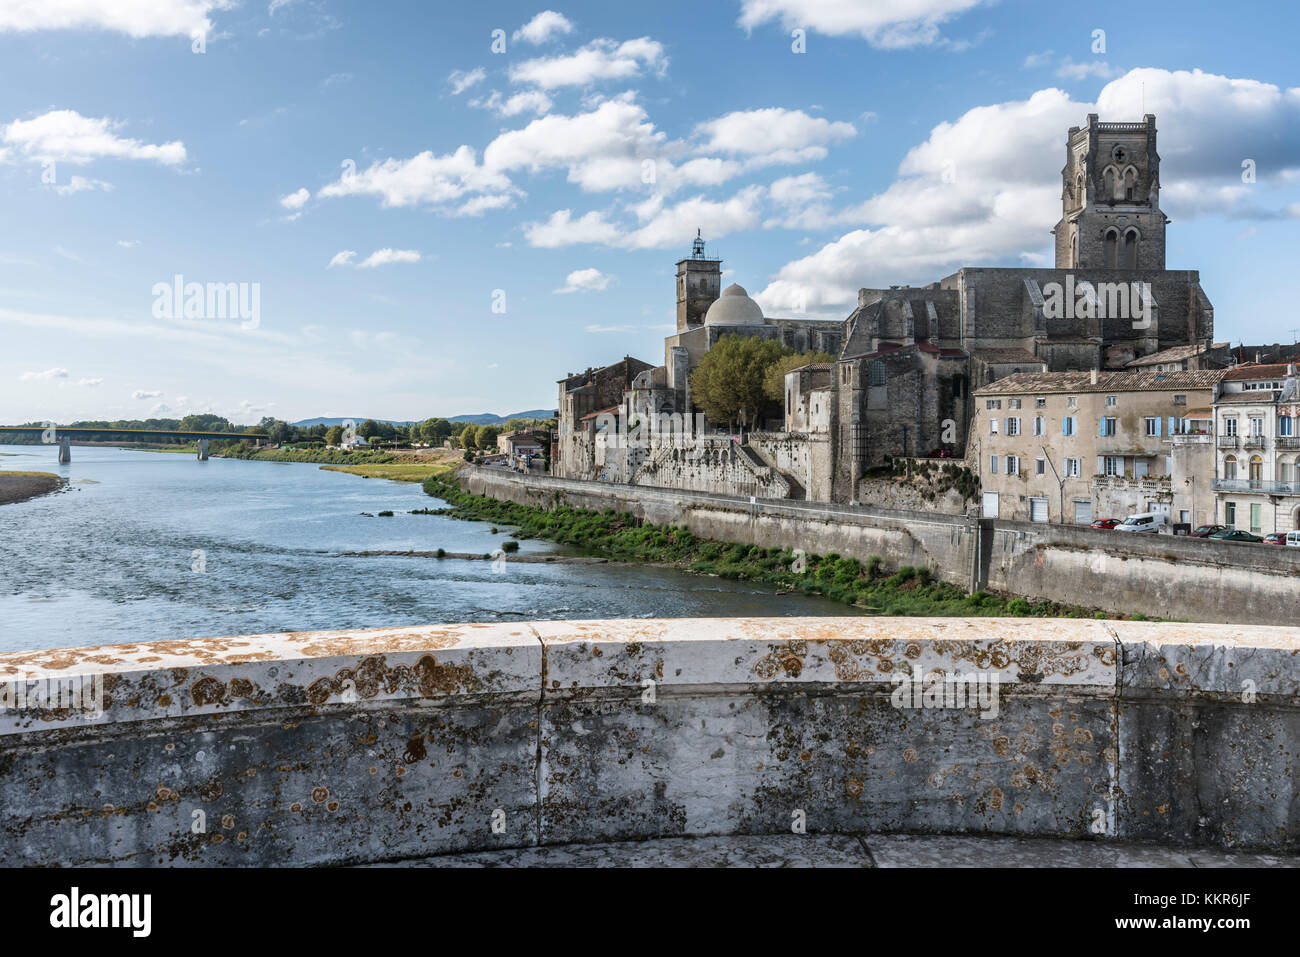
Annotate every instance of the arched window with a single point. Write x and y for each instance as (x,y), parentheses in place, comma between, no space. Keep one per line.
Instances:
(1230,467)
(877,373)
(1079,193)
(1130,260)
(1256,468)
(1130,183)
(1110,248)
(1074,247)
(1110,183)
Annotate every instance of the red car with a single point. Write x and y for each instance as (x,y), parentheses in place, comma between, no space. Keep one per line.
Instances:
(1107,523)
(941,454)
(1275,538)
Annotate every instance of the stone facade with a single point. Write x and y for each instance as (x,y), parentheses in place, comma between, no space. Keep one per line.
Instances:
(1257,449)
(1073,447)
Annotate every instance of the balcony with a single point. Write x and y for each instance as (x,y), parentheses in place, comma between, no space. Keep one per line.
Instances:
(1259,486)
(1252,442)
(1288,442)
(1226,442)
(1125,483)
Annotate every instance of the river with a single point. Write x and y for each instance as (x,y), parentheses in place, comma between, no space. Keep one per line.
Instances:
(151,546)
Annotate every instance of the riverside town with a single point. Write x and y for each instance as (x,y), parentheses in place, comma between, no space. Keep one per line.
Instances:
(763,433)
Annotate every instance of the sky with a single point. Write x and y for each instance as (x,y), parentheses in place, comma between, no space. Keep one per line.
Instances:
(435,208)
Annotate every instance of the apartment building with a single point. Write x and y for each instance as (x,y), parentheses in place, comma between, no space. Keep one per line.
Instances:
(1257,449)
(1071,447)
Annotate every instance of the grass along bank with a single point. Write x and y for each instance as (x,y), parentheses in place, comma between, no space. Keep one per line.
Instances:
(620,536)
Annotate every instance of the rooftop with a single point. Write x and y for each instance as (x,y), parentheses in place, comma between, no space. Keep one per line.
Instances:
(1045,382)
(1174,354)
(1276,370)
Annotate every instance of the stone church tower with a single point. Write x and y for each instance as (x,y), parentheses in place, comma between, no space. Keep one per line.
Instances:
(699,284)
(1110,198)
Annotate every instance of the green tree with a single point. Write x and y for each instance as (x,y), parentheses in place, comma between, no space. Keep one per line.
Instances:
(729,379)
(485,437)
(774,381)
(334,435)
(467,436)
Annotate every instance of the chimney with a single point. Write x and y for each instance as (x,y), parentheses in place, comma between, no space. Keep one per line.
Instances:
(1092,376)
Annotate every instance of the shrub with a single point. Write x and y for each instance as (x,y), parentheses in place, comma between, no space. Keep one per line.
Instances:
(510,546)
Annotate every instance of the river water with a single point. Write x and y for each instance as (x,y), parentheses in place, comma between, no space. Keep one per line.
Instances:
(114,559)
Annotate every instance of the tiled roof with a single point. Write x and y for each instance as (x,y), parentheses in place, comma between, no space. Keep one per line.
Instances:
(1050,382)
(1173,354)
(1276,370)
(1253,397)
(592,415)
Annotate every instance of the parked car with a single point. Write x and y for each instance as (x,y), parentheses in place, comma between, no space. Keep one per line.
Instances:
(941,454)
(1236,535)
(1143,522)
(1205,531)
(1106,523)
(1293,539)
(1275,538)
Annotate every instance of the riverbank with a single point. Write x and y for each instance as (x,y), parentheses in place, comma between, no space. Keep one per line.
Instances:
(623,537)
(21,486)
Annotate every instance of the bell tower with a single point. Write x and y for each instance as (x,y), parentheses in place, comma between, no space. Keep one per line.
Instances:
(699,283)
(1110,198)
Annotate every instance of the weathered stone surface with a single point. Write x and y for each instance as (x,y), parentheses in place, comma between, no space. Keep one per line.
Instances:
(406,743)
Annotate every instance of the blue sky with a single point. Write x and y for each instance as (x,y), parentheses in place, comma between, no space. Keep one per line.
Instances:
(384,177)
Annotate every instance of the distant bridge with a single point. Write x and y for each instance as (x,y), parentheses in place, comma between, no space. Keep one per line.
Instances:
(62,436)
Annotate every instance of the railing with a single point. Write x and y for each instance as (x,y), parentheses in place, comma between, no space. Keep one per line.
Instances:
(1256,485)
(1226,441)
(346,747)
(1143,483)
(1253,442)
(1285,442)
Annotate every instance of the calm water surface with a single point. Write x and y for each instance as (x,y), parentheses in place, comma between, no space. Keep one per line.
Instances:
(111,560)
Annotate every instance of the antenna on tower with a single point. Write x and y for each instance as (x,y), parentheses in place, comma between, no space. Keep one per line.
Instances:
(697,247)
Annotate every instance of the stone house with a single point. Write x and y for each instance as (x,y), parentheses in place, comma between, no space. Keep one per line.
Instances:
(1257,446)
(1073,447)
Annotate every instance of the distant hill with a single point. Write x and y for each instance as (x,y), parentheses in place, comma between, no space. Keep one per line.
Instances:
(482,418)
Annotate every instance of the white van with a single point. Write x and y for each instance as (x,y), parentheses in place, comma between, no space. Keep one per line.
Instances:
(1293,539)
(1145,522)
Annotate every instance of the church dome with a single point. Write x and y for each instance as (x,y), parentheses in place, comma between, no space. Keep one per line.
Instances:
(734,308)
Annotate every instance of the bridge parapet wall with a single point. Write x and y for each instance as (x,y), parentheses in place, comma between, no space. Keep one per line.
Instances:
(348,747)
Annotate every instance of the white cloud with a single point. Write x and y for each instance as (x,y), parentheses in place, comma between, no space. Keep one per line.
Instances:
(160,408)
(461,80)
(545,26)
(128,243)
(601,59)
(662,225)
(529,101)
(585,280)
(47,374)
(143,394)
(773,135)
(889,24)
(79,184)
(1070,70)
(296,200)
(563,230)
(423,179)
(136,18)
(382,257)
(67,136)
(603,149)
(90,383)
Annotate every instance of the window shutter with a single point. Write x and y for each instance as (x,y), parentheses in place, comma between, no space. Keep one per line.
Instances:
(1158,423)
(1101,465)
(1102,431)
